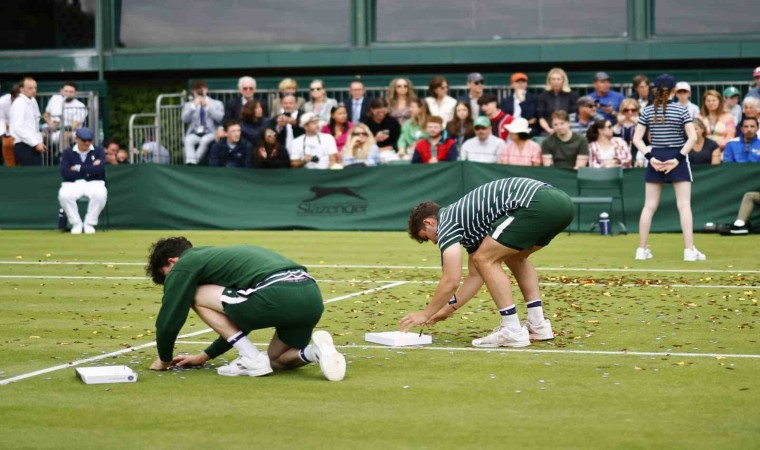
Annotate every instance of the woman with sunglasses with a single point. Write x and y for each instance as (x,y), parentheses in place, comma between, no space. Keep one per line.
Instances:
(438,100)
(339,126)
(604,149)
(361,148)
(319,104)
(628,116)
(400,95)
(268,154)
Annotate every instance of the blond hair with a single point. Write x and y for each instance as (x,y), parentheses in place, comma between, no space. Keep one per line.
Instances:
(628,102)
(558,71)
(361,153)
(287,83)
(392,96)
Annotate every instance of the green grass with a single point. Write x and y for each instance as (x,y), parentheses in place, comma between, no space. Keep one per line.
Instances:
(550,396)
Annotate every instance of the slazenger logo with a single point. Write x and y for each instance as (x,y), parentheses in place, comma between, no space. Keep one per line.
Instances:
(333,201)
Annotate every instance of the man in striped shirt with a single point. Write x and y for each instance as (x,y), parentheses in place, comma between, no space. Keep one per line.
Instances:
(503,221)
(235,290)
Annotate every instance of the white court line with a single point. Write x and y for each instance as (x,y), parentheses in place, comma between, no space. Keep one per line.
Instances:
(152,344)
(526,350)
(359,266)
(400,282)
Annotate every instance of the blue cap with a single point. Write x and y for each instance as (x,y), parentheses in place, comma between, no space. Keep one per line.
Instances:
(665,81)
(85,134)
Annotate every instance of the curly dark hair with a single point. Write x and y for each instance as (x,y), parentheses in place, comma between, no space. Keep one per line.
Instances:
(160,252)
(420,213)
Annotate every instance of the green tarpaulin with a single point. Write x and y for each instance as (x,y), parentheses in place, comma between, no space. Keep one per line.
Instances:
(184,197)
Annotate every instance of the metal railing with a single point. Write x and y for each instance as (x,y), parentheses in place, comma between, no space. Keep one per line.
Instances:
(58,135)
(169,131)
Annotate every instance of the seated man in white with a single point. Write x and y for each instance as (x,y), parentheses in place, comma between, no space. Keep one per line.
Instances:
(84,172)
(313,150)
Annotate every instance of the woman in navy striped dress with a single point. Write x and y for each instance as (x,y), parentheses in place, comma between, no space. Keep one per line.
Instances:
(672,138)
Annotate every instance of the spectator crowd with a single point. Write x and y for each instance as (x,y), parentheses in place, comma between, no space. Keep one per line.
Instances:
(556,127)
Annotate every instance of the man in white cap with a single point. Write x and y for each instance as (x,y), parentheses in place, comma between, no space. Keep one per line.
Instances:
(683,94)
(83,167)
(484,147)
(313,149)
(755,91)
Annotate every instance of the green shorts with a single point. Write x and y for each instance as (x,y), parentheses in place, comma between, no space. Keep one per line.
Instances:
(292,308)
(549,213)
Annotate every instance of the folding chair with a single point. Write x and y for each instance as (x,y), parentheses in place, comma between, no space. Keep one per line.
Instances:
(607,179)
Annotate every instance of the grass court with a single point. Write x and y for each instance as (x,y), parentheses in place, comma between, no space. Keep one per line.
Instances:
(649,354)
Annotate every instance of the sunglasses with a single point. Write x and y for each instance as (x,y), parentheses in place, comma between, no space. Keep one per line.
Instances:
(591,106)
(247,88)
(359,134)
(481,128)
(630,110)
(477,82)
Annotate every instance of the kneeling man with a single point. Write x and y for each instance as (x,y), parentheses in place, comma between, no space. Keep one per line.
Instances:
(235,290)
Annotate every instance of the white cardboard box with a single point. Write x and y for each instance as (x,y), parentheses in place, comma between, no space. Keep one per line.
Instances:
(106,374)
(398,338)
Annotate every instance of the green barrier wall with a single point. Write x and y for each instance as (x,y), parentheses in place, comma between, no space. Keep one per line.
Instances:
(181,197)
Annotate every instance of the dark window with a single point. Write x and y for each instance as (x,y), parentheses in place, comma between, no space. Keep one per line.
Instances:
(183,23)
(47,24)
(696,17)
(449,20)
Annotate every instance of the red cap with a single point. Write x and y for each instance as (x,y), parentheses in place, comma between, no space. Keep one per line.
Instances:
(521,76)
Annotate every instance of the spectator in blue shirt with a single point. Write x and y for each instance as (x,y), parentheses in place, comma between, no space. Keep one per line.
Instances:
(745,148)
(609,100)
(83,168)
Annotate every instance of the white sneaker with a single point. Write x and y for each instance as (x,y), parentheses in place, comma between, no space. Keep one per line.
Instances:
(692,254)
(540,332)
(331,362)
(76,228)
(89,229)
(643,253)
(247,367)
(502,337)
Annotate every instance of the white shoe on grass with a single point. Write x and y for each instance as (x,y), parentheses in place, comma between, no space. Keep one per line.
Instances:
(502,337)
(692,254)
(643,253)
(541,332)
(89,229)
(76,228)
(247,367)
(331,362)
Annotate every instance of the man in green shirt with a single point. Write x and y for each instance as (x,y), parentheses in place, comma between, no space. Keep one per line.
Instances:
(503,221)
(564,148)
(235,290)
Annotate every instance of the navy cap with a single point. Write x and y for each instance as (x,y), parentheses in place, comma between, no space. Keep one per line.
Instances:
(665,81)
(85,134)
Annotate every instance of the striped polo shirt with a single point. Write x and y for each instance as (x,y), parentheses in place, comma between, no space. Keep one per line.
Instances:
(670,132)
(469,219)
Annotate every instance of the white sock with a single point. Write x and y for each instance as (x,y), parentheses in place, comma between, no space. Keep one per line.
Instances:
(509,319)
(243,345)
(307,354)
(739,223)
(535,312)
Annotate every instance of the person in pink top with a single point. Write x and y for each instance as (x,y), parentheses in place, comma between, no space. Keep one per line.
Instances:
(339,126)
(604,149)
(521,150)
(721,127)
